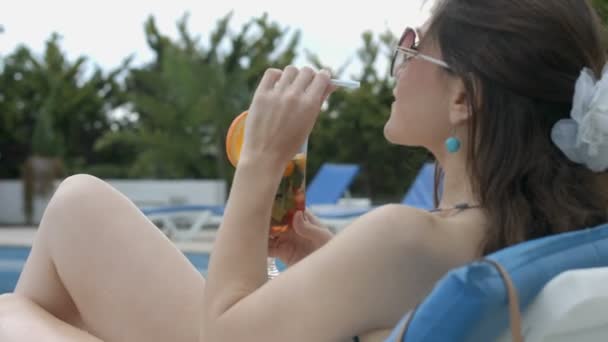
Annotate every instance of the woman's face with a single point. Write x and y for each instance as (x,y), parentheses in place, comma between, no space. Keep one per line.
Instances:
(420,112)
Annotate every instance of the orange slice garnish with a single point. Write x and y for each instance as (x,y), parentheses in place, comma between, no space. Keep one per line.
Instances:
(289,169)
(234,144)
(234,138)
(300,160)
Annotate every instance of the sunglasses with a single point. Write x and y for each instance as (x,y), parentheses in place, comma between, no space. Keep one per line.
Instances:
(408,49)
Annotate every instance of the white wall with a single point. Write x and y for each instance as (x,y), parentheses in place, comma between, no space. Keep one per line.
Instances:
(144,193)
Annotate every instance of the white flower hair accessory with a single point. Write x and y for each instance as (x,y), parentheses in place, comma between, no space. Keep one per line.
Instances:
(584,137)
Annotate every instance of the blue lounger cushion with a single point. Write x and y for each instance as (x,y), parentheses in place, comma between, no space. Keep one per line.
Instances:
(470,303)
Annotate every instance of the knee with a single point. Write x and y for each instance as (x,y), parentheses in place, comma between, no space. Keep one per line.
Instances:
(80,187)
(80,183)
(11,303)
(78,194)
(14,318)
(23,320)
(6,300)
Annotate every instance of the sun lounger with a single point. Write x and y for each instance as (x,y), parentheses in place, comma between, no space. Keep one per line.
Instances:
(326,188)
(557,282)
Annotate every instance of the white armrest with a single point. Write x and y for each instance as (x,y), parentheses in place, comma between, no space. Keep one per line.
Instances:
(571,307)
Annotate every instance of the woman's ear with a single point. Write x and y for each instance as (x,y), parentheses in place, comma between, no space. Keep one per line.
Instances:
(459,104)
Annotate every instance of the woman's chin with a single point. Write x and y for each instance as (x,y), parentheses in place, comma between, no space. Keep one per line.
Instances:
(397,137)
(390,133)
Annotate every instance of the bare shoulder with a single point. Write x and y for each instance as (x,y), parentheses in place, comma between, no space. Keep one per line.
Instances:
(397,221)
(399,252)
(397,214)
(455,238)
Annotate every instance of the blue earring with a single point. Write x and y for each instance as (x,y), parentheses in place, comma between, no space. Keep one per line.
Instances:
(452,144)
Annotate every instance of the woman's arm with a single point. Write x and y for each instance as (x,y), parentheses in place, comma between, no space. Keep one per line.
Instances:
(364,279)
(238,263)
(282,113)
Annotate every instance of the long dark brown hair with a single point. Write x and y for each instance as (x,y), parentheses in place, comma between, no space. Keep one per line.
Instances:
(519,61)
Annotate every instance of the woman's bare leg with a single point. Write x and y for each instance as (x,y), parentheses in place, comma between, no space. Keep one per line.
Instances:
(21,320)
(99,264)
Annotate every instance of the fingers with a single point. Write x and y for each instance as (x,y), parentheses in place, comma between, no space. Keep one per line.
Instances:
(302,81)
(320,85)
(270,78)
(305,79)
(289,75)
(312,218)
(328,92)
(308,229)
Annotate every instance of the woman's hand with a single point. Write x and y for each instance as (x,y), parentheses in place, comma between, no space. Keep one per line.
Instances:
(306,235)
(283,112)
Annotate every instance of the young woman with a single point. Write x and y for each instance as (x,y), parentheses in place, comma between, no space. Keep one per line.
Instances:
(488,87)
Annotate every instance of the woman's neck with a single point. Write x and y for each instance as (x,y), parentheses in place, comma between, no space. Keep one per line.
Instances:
(456,183)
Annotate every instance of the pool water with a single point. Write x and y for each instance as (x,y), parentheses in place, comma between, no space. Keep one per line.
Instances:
(12,260)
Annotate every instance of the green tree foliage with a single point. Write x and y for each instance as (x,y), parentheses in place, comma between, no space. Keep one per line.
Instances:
(50,107)
(173,116)
(187,96)
(602,8)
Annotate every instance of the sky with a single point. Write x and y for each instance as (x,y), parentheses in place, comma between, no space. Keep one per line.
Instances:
(108,31)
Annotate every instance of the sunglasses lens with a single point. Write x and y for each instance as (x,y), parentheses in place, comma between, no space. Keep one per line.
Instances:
(408,39)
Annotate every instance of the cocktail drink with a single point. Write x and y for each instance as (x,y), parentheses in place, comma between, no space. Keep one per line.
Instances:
(291,194)
(290,197)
